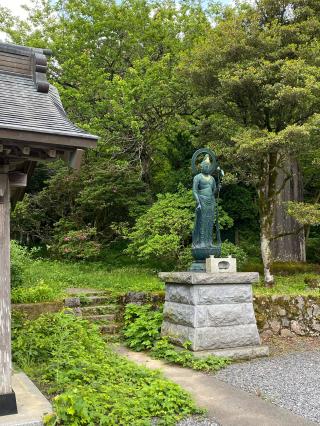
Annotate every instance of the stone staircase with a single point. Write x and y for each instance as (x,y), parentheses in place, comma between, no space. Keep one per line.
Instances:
(97,306)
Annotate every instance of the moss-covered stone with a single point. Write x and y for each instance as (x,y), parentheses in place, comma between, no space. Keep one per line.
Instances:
(297,314)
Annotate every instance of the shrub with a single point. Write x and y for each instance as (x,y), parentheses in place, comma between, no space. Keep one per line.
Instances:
(141,326)
(313,250)
(90,384)
(228,249)
(77,245)
(142,332)
(20,259)
(39,293)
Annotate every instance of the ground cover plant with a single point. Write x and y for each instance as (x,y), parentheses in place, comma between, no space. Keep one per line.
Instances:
(38,280)
(291,285)
(88,383)
(20,259)
(142,326)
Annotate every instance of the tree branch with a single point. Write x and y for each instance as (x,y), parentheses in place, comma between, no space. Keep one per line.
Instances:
(284,234)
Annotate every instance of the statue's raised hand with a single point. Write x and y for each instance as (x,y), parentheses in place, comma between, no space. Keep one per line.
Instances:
(199,206)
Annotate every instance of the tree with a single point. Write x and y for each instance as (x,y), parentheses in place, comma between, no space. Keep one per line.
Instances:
(257,76)
(113,63)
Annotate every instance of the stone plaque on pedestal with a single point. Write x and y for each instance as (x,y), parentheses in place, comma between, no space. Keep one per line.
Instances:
(214,311)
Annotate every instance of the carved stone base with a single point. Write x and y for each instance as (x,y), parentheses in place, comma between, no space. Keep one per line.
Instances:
(8,404)
(198,266)
(212,311)
(244,352)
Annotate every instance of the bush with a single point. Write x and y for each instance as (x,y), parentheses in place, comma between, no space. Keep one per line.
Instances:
(141,326)
(90,384)
(230,249)
(164,232)
(39,293)
(20,259)
(313,250)
(77,245)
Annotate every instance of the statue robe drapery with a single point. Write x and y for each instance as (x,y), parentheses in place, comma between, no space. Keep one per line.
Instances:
(203,191)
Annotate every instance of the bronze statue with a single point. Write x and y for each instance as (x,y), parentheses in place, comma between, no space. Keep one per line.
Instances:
(205,189)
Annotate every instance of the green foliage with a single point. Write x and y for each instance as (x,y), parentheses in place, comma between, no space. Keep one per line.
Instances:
(115,279)
(305,213)
(155,80)
(89,383)
(313,250)
(20,259)
(117,79)
(230,249)
(41,292)
(77,245)
(163,233)
(256,79)
(282,268)
(294,285)
(162,349)
(141,326)
(142,332)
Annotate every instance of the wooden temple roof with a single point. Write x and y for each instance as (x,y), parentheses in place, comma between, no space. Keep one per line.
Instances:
(33,123)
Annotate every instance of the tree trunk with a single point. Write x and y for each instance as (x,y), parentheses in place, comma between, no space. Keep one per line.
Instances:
(266,251)
(290,246)
(267,198)
(5,303)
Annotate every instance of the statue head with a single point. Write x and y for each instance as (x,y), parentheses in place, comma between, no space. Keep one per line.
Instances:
(205,165)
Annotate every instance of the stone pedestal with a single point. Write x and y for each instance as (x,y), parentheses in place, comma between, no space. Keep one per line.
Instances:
(213,311)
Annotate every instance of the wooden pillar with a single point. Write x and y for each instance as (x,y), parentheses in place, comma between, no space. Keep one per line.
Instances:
(7,398)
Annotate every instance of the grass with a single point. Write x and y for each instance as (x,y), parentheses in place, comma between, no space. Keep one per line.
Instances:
(61,275)
(46,280)
(291,285)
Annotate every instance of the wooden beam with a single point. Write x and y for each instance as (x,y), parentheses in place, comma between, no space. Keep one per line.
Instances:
(26,150)
(5,303)
(48,138)
(76,159)
(18,179)
(3,178)
(52,153)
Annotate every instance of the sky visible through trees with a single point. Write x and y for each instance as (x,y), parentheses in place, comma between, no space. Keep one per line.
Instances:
(15,5)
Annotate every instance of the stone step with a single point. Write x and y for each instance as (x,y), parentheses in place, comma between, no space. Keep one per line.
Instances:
(99,310)
(95,300)
(112,338)
(84,292)
(112,328)
(100,318)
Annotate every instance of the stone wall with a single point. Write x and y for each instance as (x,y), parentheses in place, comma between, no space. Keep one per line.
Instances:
(34,310)
(281,315)
(288,315)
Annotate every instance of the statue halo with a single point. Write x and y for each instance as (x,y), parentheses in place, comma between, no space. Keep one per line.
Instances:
(211,154)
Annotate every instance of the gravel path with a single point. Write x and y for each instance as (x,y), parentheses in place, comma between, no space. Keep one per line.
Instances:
(291,381)
(194,421)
